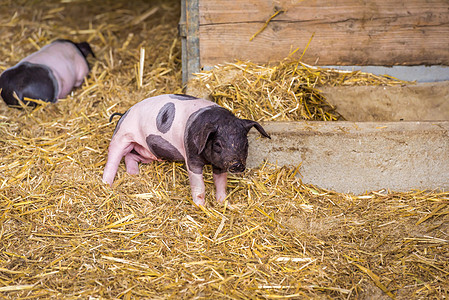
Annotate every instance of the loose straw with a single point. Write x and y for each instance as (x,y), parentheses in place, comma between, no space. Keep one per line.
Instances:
(141,65)
(266,23)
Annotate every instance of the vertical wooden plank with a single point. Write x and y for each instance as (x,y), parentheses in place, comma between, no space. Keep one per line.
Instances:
(182,34)
(192,38)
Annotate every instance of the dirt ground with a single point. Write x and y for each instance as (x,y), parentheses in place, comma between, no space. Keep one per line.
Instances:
(64,234)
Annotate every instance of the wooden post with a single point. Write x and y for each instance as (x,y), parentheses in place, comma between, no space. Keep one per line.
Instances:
(188,30)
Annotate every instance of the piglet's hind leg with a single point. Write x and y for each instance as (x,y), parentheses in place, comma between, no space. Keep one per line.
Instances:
(115,154)
(132,161)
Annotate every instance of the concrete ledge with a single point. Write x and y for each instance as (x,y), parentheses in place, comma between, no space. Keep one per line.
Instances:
(414,102)
(354,157)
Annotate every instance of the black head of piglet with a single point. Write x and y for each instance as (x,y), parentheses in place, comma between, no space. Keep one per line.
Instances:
(217,137)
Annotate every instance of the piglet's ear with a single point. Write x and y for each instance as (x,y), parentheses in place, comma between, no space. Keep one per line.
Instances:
(85,49)
(249,124)
(203,135)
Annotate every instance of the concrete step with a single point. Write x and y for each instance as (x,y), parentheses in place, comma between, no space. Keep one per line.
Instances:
(355,157)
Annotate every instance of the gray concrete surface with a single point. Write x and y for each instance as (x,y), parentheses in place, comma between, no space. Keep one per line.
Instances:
(407,73)
(356,157)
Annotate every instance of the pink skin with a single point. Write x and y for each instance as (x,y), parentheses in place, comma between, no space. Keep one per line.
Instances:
(220,181)
(197,188)
(140,122)
(67,63)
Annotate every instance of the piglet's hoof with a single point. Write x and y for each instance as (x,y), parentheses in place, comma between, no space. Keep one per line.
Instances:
(199,200)
(220,197)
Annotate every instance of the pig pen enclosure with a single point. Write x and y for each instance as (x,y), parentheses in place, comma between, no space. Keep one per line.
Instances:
(65,234)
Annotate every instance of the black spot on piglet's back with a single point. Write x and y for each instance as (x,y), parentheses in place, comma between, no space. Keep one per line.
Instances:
(165,117)
(182,97)
(162,148)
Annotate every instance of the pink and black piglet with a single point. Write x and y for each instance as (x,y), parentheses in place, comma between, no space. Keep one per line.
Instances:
(48,74)
(182,128)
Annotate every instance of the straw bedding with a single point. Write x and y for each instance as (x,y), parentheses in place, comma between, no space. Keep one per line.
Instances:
(288,91)
(64,234)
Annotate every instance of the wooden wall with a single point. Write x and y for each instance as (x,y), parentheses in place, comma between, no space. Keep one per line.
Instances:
(346,32)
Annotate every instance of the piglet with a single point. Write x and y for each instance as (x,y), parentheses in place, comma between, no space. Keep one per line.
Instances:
(182,128)
(48,74)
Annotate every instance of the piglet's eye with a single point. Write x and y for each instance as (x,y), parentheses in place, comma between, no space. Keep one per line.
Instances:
(217,147)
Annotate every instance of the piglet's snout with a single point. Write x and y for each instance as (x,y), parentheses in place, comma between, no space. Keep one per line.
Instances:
(236,167)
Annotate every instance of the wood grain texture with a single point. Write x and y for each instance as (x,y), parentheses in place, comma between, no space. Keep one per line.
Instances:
(347,32)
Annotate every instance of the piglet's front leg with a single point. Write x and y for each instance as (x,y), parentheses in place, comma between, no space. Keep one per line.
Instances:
(220,180)
(197,187)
